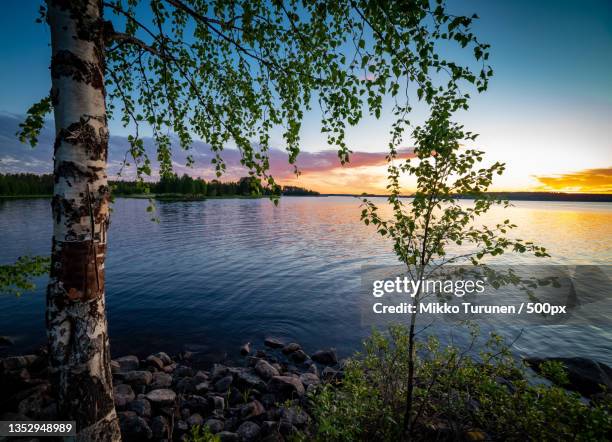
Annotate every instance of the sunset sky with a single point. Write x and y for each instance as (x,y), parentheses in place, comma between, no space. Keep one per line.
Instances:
(547,114)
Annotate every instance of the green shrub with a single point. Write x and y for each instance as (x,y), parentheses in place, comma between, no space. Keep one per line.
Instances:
(202,434)
(458,395)
(18,277)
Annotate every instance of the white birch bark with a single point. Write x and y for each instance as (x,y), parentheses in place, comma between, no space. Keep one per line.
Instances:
(76,319)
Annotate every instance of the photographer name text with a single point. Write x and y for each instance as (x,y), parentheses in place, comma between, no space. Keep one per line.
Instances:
(437,308)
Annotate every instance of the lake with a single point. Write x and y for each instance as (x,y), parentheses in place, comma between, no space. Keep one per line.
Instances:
(214,274)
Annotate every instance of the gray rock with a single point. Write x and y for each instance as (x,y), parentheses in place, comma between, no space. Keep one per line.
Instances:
(265,370)
(16,378)
(160,380)
(195,403)
(217,402)
(170,368)
(155,362)
(182,426)
(128,363)
(185,385)
(274,436)
(313,369)
(286,429)
(269,426)
(5,341)
(309,379)
(245,378)
(223,384)
(49,412)
(291,347)
(295,416)
(185,355)
(245,349)
(160,428)
(585,375)
(293,369)
(134,427)
(141,407)
(505,382)
(185,413)
(252,409)
(123,414)
(18,362)
(273,343)
(202,387)
(33,405)
(299,356)
(286,386)
(219,371)
(161,397)
(115,367)
(123,394)
(183,371)
(215,425)
(251,361)
(228,436)
(200,376)
(325,357)
(167,360)
(248,431)
(311,389)
(138,377)
(329,374)
(268,400)
(195,419)
(232,422)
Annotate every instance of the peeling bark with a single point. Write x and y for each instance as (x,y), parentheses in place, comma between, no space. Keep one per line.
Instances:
(76,317)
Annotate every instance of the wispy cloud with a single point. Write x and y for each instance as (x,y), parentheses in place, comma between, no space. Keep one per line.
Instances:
(583,181)
(318,170)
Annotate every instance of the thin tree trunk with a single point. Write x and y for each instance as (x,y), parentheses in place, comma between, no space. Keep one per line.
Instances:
(76,319)
(407,424)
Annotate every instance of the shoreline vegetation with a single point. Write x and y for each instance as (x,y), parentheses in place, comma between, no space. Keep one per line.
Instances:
(186,188)
(277,392)
(170,188)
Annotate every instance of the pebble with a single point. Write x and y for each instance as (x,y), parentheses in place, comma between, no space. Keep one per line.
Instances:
(273,343)
(128,363)
(161,396)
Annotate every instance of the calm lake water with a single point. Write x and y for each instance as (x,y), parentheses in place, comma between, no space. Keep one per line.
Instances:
(214,274)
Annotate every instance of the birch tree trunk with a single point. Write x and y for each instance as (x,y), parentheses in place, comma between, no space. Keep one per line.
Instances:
(76,319)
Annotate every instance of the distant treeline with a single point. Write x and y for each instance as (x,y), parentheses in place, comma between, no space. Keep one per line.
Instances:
(27,184)
(186,185)
(551,196)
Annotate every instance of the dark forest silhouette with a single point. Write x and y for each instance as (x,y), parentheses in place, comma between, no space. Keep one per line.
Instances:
(27,184)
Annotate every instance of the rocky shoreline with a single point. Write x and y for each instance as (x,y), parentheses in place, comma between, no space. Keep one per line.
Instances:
(161,398)
(261,398)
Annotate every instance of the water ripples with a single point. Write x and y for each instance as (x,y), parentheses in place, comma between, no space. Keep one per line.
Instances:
(213,274)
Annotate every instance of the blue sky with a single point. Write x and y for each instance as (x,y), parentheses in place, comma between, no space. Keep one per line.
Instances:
(548,110)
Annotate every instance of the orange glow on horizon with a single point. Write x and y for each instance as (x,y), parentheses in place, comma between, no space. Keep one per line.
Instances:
(583,181)
(372,179)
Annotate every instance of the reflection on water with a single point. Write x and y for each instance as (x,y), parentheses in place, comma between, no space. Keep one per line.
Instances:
(213,274)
